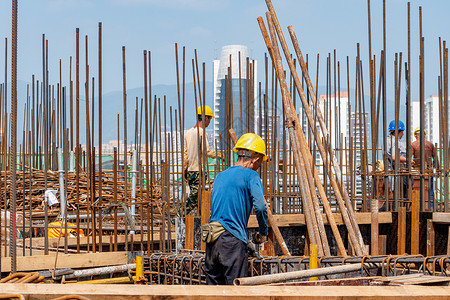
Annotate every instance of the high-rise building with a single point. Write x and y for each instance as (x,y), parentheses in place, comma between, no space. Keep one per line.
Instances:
(234,99)
(335,113)
(340,128)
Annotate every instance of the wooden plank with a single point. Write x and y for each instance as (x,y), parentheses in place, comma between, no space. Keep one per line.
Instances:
(206,211)
(288,220)
(85,260)
(189,234)
(441,217)
(401,277)
(415,209)
(413,279)
(401,229)
(122,291)
(430,238)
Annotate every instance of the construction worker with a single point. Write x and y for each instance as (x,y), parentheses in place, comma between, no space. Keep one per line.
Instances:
(431,159)
(391,152)
(235,191)
(192,153)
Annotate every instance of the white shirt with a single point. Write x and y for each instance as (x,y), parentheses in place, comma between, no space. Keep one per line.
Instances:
(191,148)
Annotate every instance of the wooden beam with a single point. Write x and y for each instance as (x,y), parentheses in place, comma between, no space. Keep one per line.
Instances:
(85,260)
(401,231)
(288,220)
(121,291)
(441,217)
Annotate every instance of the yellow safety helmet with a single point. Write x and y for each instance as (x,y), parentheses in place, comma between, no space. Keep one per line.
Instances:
(208,111)
(418,130)
(251,142)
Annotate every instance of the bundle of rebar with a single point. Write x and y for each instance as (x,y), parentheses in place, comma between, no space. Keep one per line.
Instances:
(31,191)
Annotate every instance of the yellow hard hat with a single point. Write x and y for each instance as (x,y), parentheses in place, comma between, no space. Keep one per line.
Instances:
(418,130)
(208,111)
(251,142)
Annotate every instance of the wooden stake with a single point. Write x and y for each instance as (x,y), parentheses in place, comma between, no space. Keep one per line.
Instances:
(206,211)
(189,237)
(401,236)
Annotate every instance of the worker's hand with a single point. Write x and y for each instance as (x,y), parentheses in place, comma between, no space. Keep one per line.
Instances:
(258,238)
(252,251)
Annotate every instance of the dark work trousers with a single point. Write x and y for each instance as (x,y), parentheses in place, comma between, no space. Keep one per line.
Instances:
(226,259)
(193,179)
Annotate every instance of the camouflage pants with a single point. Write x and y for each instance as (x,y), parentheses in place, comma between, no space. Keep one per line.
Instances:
(193,179)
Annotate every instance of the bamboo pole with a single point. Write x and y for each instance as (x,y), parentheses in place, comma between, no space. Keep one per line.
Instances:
(299,162)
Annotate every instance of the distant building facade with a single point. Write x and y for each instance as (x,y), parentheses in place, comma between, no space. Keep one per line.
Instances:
(341,126)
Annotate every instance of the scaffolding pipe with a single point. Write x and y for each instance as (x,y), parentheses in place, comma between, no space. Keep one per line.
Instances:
(62,191)
(281,277)
(71,162)
(133,189)
(100,271)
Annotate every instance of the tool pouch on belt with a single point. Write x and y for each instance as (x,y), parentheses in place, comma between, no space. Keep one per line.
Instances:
(211,232)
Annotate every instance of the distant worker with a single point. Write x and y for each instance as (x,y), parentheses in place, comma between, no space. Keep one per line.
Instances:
(391,152)
(431,159)
(193,151)
(235,191)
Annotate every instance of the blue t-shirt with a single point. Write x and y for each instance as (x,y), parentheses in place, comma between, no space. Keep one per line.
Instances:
(235,191)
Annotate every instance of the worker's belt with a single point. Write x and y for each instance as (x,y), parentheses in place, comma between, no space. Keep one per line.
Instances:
(212,231)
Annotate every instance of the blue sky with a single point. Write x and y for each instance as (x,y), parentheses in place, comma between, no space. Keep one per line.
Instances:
(207,25)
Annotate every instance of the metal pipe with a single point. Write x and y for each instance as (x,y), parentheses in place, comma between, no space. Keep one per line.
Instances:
(100,271)
(280,277)
(133,190)
(62,192)
(71,162)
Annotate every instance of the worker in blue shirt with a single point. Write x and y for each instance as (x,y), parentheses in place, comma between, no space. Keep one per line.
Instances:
(235,191)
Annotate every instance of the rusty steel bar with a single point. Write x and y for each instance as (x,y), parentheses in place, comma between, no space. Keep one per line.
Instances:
(13,158)
(77,137)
